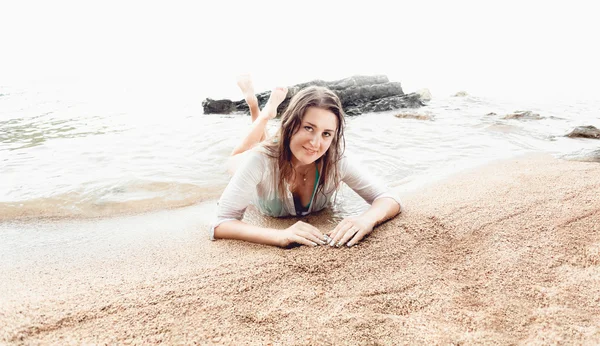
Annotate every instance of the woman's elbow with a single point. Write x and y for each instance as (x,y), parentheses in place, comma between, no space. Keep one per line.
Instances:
(392,206)
(220,231)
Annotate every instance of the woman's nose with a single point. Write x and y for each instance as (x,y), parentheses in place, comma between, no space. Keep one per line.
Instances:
(314,141)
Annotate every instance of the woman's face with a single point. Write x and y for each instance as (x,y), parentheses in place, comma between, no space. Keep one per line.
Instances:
(314,136)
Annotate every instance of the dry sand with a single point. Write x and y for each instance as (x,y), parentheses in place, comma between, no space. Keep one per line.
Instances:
(505,254)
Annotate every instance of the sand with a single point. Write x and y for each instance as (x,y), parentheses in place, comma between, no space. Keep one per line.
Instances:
(504,254)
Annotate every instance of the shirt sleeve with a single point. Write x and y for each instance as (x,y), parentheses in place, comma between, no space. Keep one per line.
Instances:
(238,194)
(365,185)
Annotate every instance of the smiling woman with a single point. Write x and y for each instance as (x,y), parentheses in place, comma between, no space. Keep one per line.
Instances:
(297,172)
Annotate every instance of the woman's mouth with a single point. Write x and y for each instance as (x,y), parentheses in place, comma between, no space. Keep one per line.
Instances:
(309,151)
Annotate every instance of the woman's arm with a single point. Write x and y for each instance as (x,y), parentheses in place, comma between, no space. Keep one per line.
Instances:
(384,205)
(240,230)
(353,229)
(381,210)
(237,195)
(300,232)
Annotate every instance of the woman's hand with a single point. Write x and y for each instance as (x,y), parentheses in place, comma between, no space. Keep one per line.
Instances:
(301,233)
(350,231)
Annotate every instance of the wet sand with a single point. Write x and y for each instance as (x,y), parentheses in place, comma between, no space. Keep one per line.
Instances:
(503,254)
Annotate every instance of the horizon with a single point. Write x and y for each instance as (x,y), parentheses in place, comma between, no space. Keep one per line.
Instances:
(511,50)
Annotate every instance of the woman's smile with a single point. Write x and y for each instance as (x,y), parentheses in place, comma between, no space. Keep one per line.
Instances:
(310,151)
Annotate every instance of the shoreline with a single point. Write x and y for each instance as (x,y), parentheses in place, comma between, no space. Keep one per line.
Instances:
(46,212)
(507,252)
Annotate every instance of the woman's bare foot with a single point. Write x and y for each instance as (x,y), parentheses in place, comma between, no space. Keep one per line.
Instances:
(278,94)
(245,83)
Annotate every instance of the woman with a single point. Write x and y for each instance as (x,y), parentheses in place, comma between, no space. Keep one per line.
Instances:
(297,172)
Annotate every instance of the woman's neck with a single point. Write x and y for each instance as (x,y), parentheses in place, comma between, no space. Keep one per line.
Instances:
(299,167)
(304,168)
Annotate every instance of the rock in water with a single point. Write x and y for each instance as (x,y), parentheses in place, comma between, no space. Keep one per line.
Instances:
(218,106)
(585,132)
(523,115)
(413,116)
(424,94)
(358,94)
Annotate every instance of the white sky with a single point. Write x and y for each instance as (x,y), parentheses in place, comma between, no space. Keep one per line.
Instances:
(508,48)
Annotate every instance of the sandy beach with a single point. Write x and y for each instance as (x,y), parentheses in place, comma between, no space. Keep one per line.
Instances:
(508,253)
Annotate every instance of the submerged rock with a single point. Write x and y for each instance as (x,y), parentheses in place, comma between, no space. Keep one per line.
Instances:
(358,94)
(585,132)
(584,156)
(461,93)
(523,115)
(593,156)
(414,116)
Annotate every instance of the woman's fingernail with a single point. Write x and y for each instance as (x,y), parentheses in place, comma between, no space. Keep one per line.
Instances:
(314,244)
(332,243)
(323,242)
(348,245)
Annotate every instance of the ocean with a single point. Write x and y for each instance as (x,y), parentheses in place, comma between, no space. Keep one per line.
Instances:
(74,153)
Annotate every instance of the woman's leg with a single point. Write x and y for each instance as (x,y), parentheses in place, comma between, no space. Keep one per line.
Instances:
(245,84)
(258,129)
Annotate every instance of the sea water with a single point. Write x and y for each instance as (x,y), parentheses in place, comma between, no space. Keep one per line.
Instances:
(68,152)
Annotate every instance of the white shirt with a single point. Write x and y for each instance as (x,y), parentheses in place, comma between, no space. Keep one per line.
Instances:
(253,183)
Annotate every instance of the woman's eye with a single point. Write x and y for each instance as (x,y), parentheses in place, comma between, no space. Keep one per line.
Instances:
(308,128)
(326,134)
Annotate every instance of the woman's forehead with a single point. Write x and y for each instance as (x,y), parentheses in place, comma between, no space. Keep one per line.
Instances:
(321,118)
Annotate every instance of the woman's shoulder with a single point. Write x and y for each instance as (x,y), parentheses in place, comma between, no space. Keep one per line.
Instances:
(256,157)
(263,154)
(345,163)
(249,161)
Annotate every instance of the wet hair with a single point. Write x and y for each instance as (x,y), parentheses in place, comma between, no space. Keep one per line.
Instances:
(278,147)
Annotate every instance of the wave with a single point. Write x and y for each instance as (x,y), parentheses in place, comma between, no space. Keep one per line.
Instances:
(132,199)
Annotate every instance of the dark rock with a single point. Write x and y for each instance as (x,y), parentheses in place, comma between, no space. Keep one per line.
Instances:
(358,94)
(218,106)
(523,115)
(354,81)
(411,100)
(491,113)
(585,132)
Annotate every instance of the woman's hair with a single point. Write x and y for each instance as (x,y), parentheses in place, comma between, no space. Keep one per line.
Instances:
(279,147)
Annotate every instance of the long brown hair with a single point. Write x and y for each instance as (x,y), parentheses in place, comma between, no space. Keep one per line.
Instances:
(278,148)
